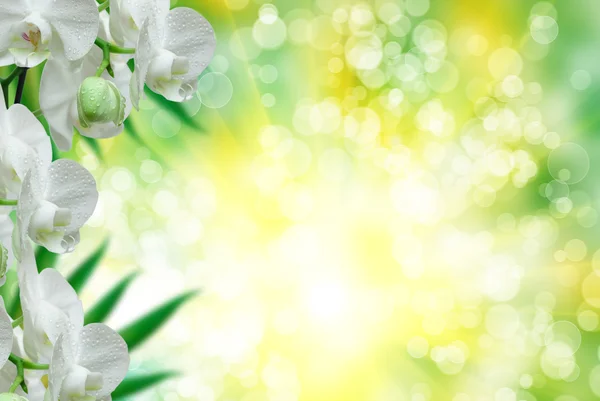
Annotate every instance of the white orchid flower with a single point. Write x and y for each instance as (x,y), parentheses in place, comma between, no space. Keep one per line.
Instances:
(23,143)
(33,378)
(127,17)
(7,257)
(54,204)
(59,87)
(31,29)
(171,53)
(87,364)
(6,334)
(50,307)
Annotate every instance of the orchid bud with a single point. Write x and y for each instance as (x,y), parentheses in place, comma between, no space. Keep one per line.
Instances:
(11,397)
(98,102)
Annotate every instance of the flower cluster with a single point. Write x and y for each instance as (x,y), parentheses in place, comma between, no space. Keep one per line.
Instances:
(98,57)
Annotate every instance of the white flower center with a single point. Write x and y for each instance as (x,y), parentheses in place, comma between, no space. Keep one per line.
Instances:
(30,38)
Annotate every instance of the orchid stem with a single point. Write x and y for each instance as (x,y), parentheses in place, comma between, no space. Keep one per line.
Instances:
(103,6)
(20,86)
(17,321)
(105,56)
(8,202)
(5,82)
(20,373)
(27,364)
(101,43)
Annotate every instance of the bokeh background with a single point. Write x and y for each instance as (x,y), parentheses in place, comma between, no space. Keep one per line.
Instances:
(380,200)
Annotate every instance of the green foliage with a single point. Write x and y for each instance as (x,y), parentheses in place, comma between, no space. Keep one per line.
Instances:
(94,146)
(103,308)
(45,259)
(136,384)
(137,332)
(176,109)
(84,271)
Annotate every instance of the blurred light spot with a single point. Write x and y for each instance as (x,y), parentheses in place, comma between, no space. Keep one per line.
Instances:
(165,125)
(581,80)
(214,90)
(543,29)
(569,163)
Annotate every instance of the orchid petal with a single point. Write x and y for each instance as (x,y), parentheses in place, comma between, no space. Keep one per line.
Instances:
(76,23)
(189,34)
(104,351)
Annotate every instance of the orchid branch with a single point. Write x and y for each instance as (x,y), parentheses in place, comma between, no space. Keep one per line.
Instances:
(27,364)
(113,48)
(20,373)
(17,321)
(108,48)
(8,202)
(5,82)
(103,6)
(20,86)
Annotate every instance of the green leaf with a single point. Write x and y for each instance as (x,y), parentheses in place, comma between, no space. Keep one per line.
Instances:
(45,259)
(138,331)
(175,108)
(84,271)
(10,293)
(94,146)
(102,309)
(133,133)
(135,384)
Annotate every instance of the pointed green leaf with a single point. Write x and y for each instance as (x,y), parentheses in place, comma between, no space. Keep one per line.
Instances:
(94,146)
(45,259)
(138,331)
(175,108)
(135,384)
(133,133)
(102,309)
(10,293)
(84,271)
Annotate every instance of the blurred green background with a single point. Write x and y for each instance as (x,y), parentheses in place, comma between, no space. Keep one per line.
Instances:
(380,200)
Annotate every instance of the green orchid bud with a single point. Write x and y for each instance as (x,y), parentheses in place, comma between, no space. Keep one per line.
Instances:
(11,397)
(3,260)
(99,101)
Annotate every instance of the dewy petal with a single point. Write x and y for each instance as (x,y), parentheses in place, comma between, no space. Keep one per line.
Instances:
(72,187)
(76,22)
(63,358)
(145,49)
(29,198)
(188,34)
(127,18)
(6,334)
(104,351)
(58,91)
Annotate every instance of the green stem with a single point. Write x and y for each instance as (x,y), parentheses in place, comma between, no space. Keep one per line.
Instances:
(13,74)
(20,373)
(27,364)
(105,56)
(17,321)
(101,43)
(103,6)
(5,82)
(8,202)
